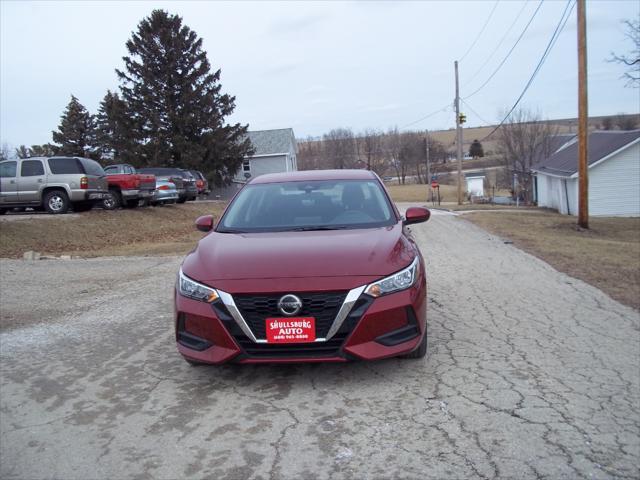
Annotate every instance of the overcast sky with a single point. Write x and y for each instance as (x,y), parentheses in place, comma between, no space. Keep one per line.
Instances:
(314,66)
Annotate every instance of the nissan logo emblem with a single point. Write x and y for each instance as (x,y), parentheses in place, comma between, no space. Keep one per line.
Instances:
(289,305)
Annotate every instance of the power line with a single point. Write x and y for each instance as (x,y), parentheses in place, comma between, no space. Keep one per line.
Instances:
(563,21)
(508,53)
(486,62)
(441,109)
(481,31)
(475,113)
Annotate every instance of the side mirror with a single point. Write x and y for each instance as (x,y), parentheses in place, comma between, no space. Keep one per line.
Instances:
(205,223)
(416,215)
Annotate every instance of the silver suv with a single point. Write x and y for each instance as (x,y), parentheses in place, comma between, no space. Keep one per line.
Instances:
(52,183)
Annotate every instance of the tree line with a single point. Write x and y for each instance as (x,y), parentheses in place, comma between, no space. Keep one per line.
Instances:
(402,153)
(169,110)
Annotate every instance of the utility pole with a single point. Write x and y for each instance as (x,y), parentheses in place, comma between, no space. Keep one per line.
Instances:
(428,182)
(458,136)
(583,119)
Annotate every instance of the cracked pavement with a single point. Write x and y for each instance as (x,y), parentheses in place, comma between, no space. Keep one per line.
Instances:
(530,374)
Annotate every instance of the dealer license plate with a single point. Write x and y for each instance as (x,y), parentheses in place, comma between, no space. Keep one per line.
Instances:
(291,330)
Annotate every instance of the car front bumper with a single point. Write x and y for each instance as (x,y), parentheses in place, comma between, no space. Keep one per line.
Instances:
(378,328)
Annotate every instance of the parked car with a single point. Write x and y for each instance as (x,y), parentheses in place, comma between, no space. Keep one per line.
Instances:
(164,193)
(304,267)
(127,187)
(51,183)
(185,183)
(201,182)
(190,183)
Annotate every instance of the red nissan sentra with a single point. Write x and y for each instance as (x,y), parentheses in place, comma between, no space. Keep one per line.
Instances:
(304,267)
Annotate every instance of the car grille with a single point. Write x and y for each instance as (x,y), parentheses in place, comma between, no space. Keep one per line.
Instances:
(330,348)
(323,307)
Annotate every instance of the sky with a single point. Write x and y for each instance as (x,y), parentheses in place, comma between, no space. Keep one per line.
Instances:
(314,66)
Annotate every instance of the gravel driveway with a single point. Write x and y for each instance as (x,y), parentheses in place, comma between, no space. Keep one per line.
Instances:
(530,374)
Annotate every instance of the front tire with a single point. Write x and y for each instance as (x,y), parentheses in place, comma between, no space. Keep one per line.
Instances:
(56,202)
(421,351)
(3,211)
(182,199)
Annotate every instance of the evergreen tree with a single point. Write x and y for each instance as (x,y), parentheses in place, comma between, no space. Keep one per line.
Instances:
(45,150)
(23,152)
(476,150)
(75,133)
(175,101)
(113,131)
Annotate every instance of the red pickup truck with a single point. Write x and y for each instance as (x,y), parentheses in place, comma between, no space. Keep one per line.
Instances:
(126,187)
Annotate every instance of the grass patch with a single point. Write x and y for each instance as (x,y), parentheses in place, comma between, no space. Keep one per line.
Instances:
(418,193)
(142,231)
(606,256)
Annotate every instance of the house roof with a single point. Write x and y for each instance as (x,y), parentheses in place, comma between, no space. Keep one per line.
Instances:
(564,162)
(270,142)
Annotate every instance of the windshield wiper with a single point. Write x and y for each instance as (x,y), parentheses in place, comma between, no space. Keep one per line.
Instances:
(316,227)
(231,230)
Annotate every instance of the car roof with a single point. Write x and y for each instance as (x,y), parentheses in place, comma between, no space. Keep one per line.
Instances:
(306,175)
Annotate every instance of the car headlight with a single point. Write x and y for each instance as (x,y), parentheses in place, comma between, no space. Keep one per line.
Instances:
(396,282)
(192,289)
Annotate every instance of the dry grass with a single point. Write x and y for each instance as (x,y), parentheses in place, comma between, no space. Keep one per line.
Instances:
(418,193)
(448,196)
(143,231)
(606,256)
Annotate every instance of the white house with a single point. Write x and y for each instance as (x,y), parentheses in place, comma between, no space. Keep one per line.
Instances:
(614,175)
(275,151)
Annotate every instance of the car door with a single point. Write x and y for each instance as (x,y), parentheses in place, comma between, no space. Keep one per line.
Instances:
(8,184)
(30,181)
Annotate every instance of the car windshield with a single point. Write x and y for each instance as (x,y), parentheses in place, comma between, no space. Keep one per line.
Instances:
(310,205)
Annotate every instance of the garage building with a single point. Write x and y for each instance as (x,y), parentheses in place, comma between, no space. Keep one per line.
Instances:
(275,152)
(614,175)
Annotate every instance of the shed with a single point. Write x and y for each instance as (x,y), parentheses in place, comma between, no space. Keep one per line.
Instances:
(614,175)
(275,152)
(475,183)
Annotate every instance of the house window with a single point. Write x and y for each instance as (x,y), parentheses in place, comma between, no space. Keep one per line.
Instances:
(246,166)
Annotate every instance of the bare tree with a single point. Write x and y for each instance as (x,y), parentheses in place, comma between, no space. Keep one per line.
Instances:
(371,150)
(310,156)
(625,122)
(393,147)
(5,151)
(339,147)
(522,141)
(632,60)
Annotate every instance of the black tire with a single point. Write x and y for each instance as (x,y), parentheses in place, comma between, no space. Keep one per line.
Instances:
(419,352)
(182,199)
(56,202)
(82,206)
(192,199)
(3,211)
(131,203)
(113,201)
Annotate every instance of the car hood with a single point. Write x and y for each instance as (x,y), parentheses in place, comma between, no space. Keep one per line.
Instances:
(334,253)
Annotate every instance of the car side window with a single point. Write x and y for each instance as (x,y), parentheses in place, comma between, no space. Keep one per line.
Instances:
(31,168)
(8,169)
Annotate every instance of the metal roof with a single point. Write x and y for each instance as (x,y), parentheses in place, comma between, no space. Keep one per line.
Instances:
(564,162)
(271,142)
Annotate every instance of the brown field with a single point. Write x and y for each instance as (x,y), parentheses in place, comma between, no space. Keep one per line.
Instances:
(606,256)
(151,230)
(448,195)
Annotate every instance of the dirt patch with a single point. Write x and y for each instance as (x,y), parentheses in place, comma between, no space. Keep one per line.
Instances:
(142,231)
(607,255)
